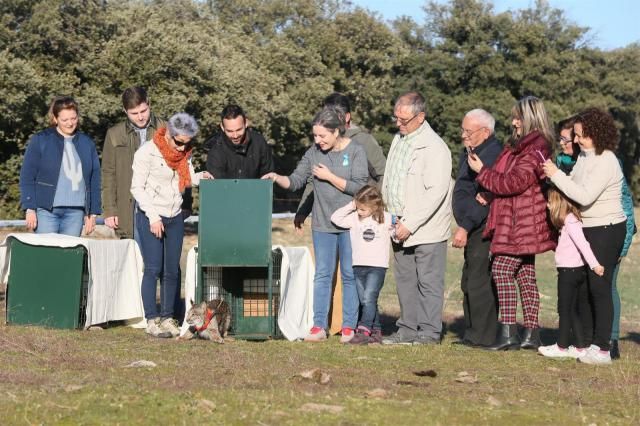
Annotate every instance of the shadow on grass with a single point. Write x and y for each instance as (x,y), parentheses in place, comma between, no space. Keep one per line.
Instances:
(632,337)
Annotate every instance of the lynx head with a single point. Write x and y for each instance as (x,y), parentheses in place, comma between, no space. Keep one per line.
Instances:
(197,314)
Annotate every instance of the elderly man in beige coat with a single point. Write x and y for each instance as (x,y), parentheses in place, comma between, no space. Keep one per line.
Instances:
(417,189)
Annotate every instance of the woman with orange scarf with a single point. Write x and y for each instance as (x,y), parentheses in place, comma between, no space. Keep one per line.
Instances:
(162,170)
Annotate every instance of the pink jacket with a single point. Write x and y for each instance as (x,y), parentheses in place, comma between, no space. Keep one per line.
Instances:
(573,247)
(370,240)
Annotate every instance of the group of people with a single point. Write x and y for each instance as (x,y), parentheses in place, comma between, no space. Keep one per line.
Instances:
(514,202)
(510,203)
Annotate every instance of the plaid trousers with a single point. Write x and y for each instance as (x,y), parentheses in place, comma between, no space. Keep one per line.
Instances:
(521,269)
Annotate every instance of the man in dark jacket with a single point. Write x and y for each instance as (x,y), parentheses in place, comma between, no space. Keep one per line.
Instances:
(480,311)
(237,151)
(120,145)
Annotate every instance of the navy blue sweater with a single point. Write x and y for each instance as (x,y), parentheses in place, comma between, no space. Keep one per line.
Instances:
(470,214)
(41,168)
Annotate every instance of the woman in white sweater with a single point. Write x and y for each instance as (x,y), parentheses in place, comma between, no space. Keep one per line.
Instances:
(595,184)
(162,170)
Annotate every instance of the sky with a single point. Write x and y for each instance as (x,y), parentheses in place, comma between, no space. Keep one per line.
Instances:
(613,23)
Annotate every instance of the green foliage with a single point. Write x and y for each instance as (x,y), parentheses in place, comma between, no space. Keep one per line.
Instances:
(280,58)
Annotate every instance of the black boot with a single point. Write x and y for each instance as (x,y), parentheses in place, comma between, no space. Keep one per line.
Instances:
(614,350)
(530,338)
(507,338)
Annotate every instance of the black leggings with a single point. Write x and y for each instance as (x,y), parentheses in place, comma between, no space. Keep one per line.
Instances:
(570,282)
(596,304)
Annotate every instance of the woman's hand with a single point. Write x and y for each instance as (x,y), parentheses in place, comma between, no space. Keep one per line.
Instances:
(549,168)
(157,228)
(322,172)
(89,224)
(475,163)
(272,176)
(32,219)
(206,175)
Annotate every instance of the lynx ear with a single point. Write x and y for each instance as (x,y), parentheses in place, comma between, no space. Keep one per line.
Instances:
(192,302)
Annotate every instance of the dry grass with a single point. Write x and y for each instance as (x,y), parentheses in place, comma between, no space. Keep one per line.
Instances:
(72,377)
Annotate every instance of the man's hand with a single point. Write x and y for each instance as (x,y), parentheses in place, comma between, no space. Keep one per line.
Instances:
(111,222)
(89,224)
(32,219)
(402,233)
(157,228)
(460,238)
(298,223)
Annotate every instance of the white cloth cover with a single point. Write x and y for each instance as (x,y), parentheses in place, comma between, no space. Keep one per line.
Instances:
(115,274)
(295,315)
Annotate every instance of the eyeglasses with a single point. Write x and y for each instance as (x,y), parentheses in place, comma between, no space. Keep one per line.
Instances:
(403,121)
(469,133)
(564,140)
(180,143)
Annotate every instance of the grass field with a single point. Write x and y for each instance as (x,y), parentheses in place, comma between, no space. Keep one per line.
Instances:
(82,377)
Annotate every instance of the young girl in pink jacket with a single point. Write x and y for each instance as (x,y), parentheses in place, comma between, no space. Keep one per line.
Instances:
(369,231)
(571,253)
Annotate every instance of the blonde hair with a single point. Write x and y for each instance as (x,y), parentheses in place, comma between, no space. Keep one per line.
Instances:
(559,207)
(370,197)
(531,111)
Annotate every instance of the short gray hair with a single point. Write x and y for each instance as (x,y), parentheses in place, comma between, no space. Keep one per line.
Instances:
(182,124)
(483,117)
(414,100)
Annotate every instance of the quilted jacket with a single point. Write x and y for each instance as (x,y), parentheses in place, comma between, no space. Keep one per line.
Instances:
(518,222)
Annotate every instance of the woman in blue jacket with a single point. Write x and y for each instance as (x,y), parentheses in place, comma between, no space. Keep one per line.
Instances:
(60,175)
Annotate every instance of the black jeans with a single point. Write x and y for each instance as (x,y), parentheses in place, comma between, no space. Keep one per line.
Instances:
(570,280)
(596,305)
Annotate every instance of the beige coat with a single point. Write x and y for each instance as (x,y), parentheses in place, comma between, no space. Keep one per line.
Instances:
(428,188)
(155,186)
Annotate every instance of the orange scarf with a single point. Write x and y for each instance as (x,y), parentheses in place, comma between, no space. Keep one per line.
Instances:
(176,160)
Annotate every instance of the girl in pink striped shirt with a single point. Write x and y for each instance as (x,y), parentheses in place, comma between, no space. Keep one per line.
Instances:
(571,253)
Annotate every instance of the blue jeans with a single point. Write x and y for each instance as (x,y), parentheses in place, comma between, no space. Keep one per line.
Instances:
(161,261)
(60,220)
(327,246)
(369,281)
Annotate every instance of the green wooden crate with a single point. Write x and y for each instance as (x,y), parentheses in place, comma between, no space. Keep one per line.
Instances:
(47,286)
(234,259)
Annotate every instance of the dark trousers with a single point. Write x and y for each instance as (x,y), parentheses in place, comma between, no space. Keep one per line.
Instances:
(596,304)
(161,258)
(570,282)
(480,300)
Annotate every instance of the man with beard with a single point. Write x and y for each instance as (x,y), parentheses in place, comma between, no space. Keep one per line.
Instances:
(237,151)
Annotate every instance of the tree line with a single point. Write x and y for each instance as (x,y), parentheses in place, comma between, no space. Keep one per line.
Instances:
(280,58)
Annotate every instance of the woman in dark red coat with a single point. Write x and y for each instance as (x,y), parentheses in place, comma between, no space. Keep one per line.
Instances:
(517,221)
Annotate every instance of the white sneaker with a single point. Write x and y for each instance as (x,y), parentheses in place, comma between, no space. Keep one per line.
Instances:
(317,334)
(576,352)
(154,329)
(169,325)
(554,351)
(595,356)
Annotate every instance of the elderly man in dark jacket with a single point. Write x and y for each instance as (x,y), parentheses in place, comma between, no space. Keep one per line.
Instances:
(237,151)
(480,311)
